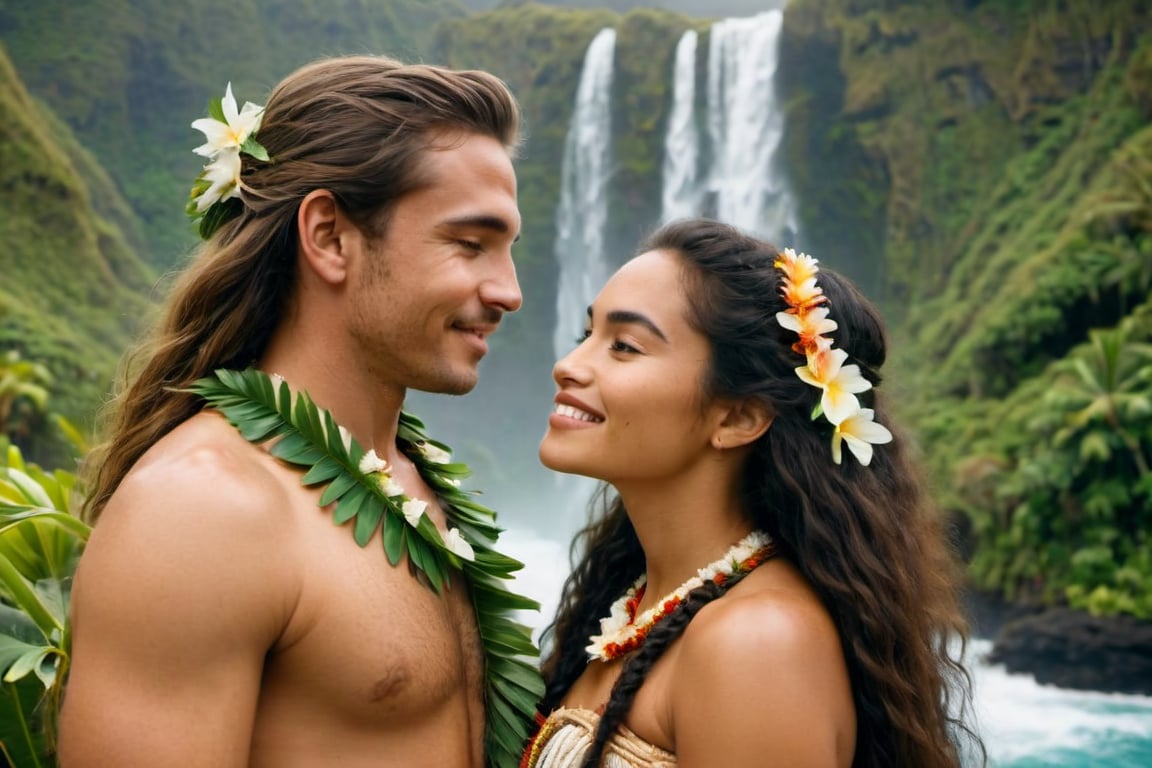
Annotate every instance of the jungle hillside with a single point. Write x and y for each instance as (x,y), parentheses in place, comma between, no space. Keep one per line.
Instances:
(983,169)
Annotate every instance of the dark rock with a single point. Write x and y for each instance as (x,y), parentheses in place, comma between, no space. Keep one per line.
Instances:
(988,612)
(1071,649)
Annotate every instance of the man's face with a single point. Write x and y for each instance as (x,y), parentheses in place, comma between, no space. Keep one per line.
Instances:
(435,287)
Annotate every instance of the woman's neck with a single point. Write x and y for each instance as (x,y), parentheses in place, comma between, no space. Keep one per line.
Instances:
(683,526)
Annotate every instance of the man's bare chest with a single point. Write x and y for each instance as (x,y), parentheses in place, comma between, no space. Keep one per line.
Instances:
(373,640)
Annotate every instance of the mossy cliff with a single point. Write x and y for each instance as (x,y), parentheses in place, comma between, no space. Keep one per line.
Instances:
(130,77)
(989,166)
(982,168)
(73,287)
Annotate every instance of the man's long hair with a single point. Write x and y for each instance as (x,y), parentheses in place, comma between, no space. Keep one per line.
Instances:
(357,126)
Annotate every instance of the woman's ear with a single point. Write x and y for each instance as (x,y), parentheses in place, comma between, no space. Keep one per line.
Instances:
(324,232)
(741,423)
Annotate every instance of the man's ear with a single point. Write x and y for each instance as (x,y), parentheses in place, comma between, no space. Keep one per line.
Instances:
(741,423)
(324,236)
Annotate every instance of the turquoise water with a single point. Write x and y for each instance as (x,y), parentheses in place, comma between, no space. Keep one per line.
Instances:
(1023,724)
(1026,725)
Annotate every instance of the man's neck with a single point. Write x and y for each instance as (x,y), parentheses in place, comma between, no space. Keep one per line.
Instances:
(367,408)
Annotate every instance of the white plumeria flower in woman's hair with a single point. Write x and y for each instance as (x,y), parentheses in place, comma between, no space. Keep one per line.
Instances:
(841,383)
(860,433)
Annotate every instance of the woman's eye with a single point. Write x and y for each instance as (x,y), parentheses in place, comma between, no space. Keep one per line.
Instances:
(620,346)
(583,336)
(472,245)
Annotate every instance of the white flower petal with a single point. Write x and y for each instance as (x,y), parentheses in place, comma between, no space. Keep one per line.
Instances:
(789,321)
(389,485)
(248,121)
(838,405)
(435,454)
(860,432)
(218,136)
(850,379)
(223,175)
(413,510)
(456,544)
(860,449)
(228,106)
(370,463)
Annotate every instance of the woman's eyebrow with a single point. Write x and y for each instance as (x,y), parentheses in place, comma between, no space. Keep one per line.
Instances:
(628,317)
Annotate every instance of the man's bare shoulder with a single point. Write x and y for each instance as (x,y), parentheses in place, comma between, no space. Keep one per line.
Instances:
(201,506)
(205,464)
(188,579)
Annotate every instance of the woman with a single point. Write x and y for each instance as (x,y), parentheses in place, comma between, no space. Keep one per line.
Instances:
(727,392)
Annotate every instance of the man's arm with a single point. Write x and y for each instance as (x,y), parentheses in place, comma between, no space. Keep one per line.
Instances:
(185,584)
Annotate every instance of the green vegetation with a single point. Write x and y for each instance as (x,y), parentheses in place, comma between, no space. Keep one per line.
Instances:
(983,169)
(41,538)
(1003,184)
(126,89)
(73,287)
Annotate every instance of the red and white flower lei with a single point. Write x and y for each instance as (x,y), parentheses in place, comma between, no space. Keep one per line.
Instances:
(622,631)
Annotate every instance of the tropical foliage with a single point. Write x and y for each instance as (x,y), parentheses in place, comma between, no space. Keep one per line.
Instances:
(993,191)
(1010,188)
(1057,485)
(40,542)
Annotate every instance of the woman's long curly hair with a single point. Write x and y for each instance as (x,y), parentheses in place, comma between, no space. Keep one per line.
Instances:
(865,537)
(357,126)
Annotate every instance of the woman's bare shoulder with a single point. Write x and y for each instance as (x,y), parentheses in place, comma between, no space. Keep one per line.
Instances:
(761,671)
(778,617)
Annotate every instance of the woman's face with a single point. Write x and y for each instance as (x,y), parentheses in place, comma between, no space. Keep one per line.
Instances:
(629,405)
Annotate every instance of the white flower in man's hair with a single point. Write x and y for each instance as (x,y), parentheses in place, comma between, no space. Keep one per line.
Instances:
(233,131)
(860,433)
(413,510)
(370,463)
(223,177)
(456,544)
(389,485)
(435,453)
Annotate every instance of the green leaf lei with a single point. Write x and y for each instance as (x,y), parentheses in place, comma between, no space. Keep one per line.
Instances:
(309,438)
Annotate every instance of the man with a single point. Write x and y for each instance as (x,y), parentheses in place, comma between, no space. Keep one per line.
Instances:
(220,617)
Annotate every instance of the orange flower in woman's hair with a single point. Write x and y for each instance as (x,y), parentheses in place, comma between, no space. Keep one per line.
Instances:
(797,267)
(809,326)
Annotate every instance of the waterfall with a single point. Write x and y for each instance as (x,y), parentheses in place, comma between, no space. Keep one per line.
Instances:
(681,195)
(583,211)
(580,222)
(745,127)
